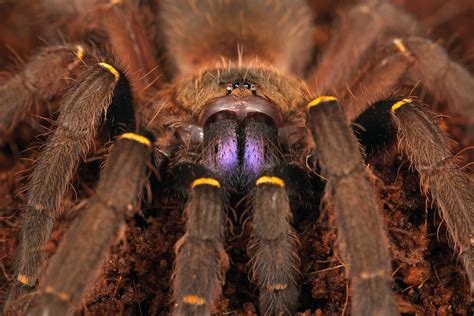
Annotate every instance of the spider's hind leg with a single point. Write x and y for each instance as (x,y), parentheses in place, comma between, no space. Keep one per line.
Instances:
(426,146)
(44,77)
(405,62)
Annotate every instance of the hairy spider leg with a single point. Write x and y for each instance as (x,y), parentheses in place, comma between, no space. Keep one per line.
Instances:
(45,76)
(426,146)
(361,237)
(130,44)
(403,63)
(82,112)
(201,261)
(400,65)
(273,247)
(86,243)
(358,34)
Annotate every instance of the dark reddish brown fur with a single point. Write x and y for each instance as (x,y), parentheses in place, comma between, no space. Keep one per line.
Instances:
(277,33)
(129,42)
(45,76)
(359,33)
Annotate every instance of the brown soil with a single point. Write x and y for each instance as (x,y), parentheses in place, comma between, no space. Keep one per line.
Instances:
(428,279)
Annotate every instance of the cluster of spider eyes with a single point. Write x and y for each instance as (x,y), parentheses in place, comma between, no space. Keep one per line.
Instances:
(245,85)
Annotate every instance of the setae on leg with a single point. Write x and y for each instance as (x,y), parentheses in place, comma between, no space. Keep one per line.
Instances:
(85,245)
(361,237)
(427,148)
(82,112)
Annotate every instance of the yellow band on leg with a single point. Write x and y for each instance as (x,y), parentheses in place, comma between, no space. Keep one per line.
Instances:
(111,69)
(399,104)
(79,52)
(270,180)
(321,99)
(400,45)
(206,181)
(194,300)
(138,138)
(23,279)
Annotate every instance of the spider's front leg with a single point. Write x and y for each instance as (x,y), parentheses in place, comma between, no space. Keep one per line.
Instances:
(273,248)
(42,78)
(82,112)
(361,237)
(200,257)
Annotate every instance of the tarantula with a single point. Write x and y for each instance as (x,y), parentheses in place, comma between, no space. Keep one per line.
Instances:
(237,121)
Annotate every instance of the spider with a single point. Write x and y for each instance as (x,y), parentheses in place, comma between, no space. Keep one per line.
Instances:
(236,120)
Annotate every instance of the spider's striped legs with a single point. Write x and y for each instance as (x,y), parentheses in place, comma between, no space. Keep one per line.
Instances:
(273,248)
(361,237)
(82,112)
(42,78)
(200,257)
(85,245)
(427,148)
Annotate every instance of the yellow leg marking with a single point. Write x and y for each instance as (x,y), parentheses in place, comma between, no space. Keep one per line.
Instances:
(23,279)
(399,104)
(321,99)
(138,138)
(63,296)
(79,52)
(369,275)
(115,1)
(277,287)
(206,181)
(472,241)
(194,300)
(270,180)
(111,69)
(401,46)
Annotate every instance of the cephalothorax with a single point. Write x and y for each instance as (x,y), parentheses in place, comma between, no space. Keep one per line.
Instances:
(235,120)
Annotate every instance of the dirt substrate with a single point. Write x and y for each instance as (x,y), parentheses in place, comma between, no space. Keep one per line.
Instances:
(135,280)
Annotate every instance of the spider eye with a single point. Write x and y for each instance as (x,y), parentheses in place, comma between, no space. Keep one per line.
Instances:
(235,85)
(247,85)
